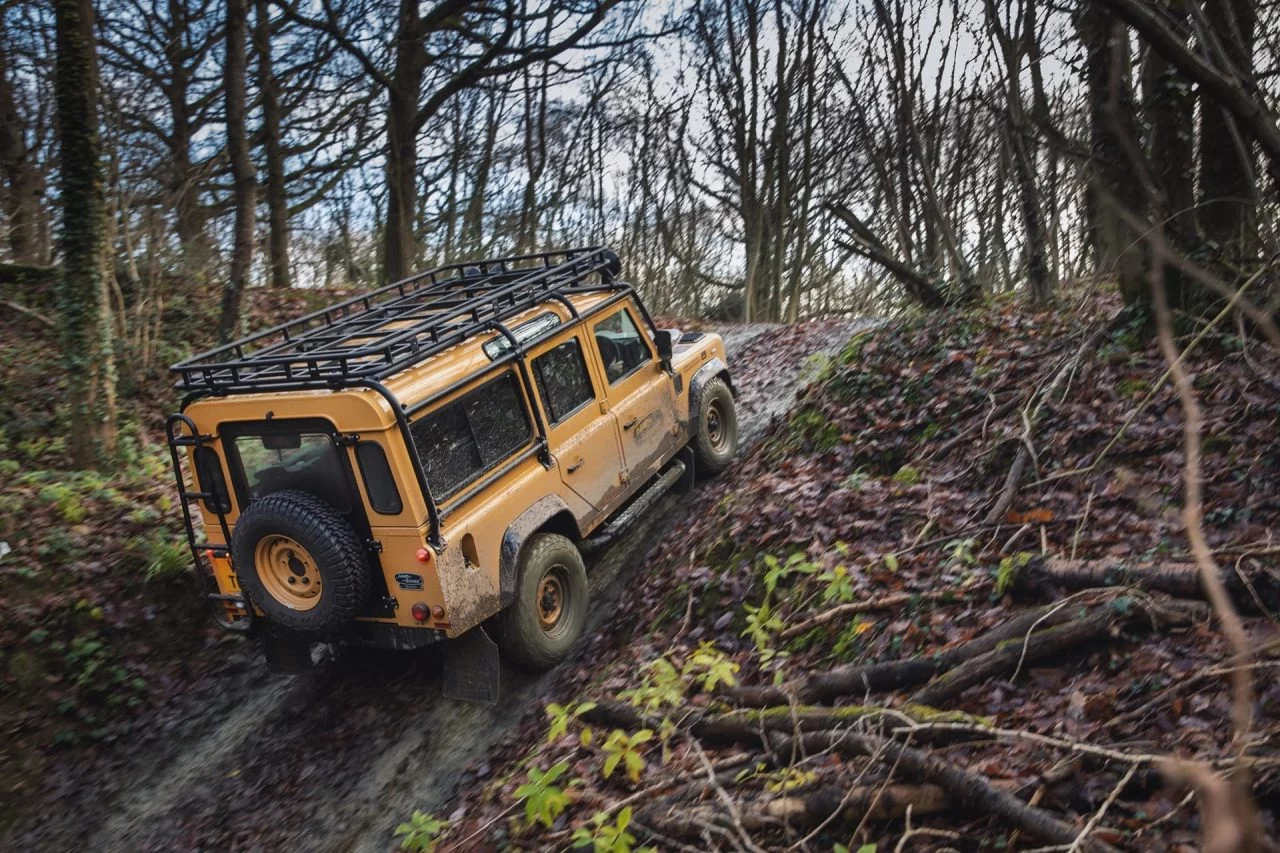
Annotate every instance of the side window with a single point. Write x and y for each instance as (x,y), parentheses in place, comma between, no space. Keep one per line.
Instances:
(562,380)
(463,439)
(378,479)
(622,349)
(209,480)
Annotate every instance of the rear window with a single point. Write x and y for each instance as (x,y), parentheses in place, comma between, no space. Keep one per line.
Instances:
(463,439)
(304,461)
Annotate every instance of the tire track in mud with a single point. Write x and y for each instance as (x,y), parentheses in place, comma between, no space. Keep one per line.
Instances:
(333,760)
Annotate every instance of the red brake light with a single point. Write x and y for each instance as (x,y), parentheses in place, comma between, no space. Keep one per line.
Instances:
(420,612)
(424,556)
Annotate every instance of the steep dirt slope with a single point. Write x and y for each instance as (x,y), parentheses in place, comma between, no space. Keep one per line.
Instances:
(333,760)
(1009,663)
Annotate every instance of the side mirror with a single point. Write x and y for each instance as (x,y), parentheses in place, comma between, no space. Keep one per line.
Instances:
(665,342)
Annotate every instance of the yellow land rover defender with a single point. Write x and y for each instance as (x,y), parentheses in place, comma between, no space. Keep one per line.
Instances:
(432,459)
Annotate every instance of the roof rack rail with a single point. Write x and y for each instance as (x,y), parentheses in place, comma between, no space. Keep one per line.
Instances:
(375,335)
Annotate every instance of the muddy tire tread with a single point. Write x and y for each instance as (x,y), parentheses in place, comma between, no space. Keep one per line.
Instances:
(522,641)
(709,462)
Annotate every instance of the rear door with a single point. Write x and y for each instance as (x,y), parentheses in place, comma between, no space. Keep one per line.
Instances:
(640,392)
(583,437)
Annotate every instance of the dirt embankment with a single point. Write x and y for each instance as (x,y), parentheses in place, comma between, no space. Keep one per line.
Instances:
(955,590)
(335,759)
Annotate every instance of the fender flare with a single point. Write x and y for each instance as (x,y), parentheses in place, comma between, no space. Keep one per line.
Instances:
(526,524)
(698,382)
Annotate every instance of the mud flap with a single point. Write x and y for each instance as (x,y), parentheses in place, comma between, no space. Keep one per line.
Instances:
(471,668)
(685,484)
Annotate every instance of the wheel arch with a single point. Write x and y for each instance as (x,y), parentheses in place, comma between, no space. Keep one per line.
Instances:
(713,369)
(548,514)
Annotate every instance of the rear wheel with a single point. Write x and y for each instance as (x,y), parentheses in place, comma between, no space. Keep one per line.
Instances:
(301,562)
(550,607)
(716,441)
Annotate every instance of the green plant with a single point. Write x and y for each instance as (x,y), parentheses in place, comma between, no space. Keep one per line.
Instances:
(544,801)
(622,747)
(907,476)
(166,557)
(1007,573)
(421,832)
(561,715)
(708,666)
(839,585)
(662,685)
(791,779)
(606,836)
(776,570)
(960,552)
(762,624)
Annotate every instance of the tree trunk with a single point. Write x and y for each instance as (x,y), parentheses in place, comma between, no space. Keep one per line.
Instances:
(22,201)
(277,198)
(184,190)
(1228,211)
(86,335)
(1168,105)
(242,176)
(402,143)
(1117,201)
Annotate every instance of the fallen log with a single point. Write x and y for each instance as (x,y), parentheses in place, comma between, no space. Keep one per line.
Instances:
(1098,621)
(1006,656)
(864,679)
(964,788)
(895,675)
(751,725)
(801,811)
(1049,578)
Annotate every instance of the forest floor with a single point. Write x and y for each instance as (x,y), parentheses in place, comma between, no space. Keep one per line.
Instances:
(132,726)
(865,639)
(858,635)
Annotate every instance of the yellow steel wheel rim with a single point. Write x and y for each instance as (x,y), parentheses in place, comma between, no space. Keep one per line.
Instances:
(551,600)
(288,572)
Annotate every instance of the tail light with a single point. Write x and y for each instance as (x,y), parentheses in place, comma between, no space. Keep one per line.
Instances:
(420,611)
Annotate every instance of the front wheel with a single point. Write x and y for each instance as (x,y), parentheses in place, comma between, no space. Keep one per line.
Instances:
(716,441)
(550,608)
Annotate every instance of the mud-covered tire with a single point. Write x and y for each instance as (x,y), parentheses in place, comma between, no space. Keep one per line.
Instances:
(301,529)
(549,611)
(716,441)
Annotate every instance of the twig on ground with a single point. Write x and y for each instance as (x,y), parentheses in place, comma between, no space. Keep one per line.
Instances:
(1098,815)
(871,605)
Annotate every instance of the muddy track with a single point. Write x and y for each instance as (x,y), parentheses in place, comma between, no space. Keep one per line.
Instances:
(333,760)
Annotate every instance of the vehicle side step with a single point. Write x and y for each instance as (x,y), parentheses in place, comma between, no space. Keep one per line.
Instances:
(638,507)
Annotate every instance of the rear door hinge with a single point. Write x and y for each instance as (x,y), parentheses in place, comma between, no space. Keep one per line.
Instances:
(373,545)
(348,439)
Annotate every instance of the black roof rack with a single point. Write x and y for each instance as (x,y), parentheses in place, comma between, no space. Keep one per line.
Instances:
(373,336)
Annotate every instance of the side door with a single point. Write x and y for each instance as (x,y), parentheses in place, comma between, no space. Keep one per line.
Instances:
(640,393)
(583,437)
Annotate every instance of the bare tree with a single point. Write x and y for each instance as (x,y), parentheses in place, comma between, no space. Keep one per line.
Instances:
(244,186)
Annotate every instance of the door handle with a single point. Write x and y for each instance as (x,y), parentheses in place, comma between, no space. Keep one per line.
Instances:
(629,424)
(574,467)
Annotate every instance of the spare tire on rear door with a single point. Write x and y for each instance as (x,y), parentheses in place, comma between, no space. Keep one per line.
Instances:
(301,562)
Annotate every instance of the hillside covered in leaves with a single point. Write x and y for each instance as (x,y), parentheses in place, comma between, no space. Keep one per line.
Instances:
(869,635)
